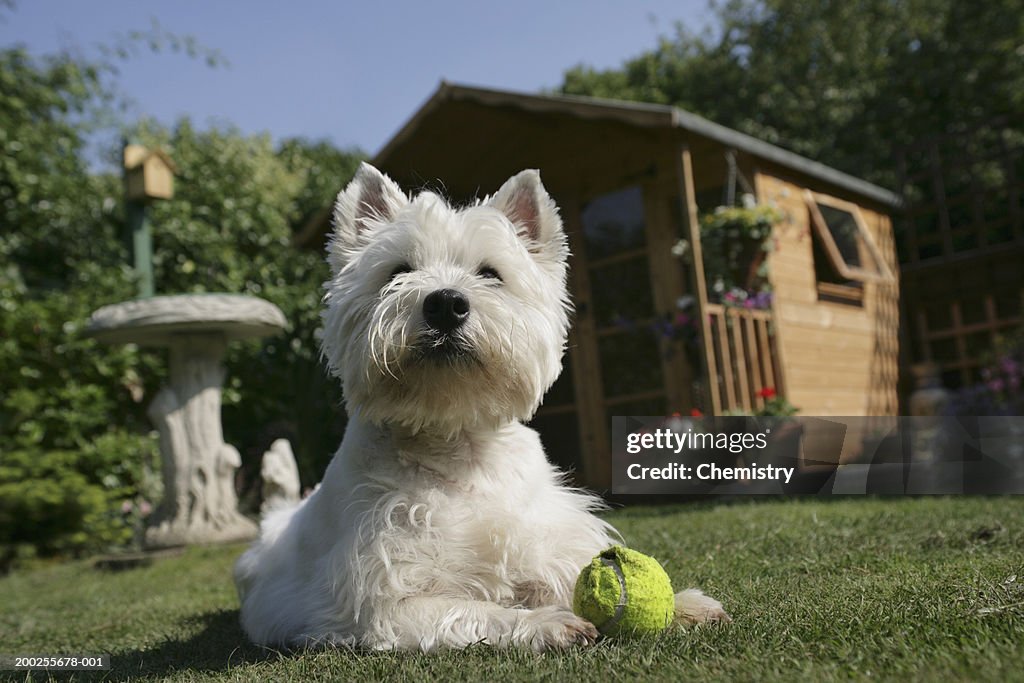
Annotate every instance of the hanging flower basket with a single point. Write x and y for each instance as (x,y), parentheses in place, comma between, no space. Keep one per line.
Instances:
(736,242)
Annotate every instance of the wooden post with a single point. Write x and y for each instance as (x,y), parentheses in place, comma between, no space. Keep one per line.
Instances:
(141,242)
(754,356)
(728,374)
(688,196)
(742,369)
(667,286)
(960,339)
(772,378)
(595,448)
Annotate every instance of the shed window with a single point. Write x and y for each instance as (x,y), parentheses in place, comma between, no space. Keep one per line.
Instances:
(614,223)
(845,255)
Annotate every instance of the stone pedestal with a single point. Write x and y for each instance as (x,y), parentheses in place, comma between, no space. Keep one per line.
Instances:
(200,504)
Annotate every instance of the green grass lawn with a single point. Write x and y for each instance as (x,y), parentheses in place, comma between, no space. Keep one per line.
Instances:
(915,589)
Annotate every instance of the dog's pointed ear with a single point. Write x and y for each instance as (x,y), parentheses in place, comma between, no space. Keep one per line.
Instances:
(525,202)
(370,200)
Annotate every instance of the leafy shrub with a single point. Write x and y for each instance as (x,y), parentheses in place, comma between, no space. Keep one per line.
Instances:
(74,437)
(71,501)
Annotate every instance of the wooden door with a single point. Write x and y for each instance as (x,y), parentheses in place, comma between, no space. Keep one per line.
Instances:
(621,361)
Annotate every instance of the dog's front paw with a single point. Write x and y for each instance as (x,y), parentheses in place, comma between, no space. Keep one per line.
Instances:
(556,628)
(693,607)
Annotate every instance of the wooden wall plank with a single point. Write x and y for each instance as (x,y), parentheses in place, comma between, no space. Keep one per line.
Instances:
(838,358)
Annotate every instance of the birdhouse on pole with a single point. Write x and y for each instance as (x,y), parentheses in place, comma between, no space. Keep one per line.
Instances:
(148,174)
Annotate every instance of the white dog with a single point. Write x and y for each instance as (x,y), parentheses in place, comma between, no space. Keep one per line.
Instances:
(439,522)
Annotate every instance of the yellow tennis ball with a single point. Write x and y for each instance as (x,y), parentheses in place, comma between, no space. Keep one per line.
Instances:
(624,592)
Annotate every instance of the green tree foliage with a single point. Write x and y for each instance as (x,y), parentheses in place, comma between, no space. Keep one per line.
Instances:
(844,82)
(67,416)
(74,438)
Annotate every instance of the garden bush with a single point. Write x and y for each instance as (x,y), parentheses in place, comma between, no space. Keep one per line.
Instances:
(75,443)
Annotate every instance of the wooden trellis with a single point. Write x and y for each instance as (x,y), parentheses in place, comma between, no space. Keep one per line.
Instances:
(742,358)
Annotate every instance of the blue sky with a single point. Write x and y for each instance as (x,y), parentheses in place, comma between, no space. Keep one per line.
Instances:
(351,72)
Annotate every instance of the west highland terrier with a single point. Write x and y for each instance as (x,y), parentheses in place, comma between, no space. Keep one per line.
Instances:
(439,522)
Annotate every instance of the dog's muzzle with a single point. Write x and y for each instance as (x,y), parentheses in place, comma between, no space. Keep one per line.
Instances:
(445,310)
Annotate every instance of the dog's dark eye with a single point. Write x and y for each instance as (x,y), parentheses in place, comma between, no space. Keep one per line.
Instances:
(399,269)
(489,273)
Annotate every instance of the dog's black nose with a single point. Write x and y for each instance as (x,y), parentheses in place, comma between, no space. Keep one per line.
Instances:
(445,309)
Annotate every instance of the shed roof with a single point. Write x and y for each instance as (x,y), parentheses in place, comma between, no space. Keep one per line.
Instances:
(634,114)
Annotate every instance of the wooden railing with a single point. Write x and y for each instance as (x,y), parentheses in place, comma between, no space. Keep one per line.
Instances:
(742,357)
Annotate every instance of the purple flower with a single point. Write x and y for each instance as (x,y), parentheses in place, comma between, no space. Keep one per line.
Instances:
(663,327)
(623,322)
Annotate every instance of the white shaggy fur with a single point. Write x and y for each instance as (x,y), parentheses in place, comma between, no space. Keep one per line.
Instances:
(439,522)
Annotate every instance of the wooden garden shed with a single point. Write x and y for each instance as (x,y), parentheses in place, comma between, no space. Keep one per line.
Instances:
(649,338)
